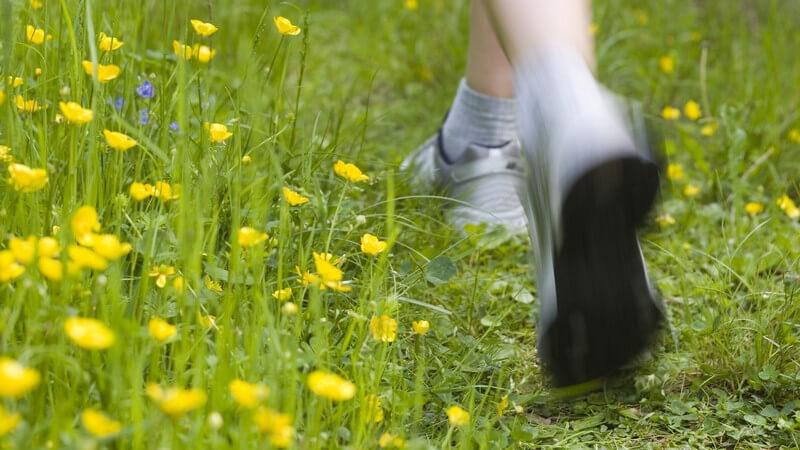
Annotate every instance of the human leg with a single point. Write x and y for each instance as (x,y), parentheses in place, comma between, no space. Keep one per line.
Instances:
(590,184)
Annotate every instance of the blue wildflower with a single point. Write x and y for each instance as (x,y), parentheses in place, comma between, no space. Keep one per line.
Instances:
(174,127)
(145,115)
(146,90)
(117,103)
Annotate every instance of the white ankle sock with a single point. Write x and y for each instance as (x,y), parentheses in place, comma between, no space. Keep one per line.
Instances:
(477,118)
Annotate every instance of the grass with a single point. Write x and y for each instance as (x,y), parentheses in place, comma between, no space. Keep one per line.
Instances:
(366,82)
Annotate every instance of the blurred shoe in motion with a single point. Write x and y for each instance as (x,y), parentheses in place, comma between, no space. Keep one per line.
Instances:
(590,185)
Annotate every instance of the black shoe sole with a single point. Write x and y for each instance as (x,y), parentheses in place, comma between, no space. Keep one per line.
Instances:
(607,313)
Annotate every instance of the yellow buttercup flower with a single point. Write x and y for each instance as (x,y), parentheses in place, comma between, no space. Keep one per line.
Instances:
(108,246)
(665,220)
(28,106)
(246,394)
(84,224)
(176,402)
(283,294)
(89,333)
(24,250)
(16,380)
(10,269)
(36,4)
(788,206)
(52,269)
(36,35)
(140,191)
(160,329)
(692,110)
(104,73)
(47,247)
(671,113)
(278,425)
(708,130)
(411,5)
(667,64)
(329,276)
(249,237)
(118,141)
(161,273)
(203,53)
(37,71)
(674,171)
(15,82)
(285,26)
(25,179)
(306,278)
(389,440)
(8,421)
(108,43)
(2,97)
(212,285)
(218,132)
(99,424)
(794,134)
(325,269)
(203,28)
(165,192)
(182,50)
(82,258)
(754,208)
(373,407)
(691,190)
(502,405)
(246,159)
(421,327)
(75,113)
(349,171)
(330,386)
(371,245)
(383,328)
(457,416)
(293,197)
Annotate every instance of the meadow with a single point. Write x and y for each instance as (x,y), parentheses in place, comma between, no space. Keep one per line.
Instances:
(205,241)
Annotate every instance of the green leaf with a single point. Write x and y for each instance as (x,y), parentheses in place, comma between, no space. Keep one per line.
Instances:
(440,269)
(755,420)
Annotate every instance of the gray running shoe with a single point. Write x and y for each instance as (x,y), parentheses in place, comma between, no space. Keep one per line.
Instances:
(484,183)
(591,185)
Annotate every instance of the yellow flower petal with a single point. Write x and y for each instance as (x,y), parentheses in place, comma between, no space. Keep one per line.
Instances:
(331,386)
(99,424)
(457,416)
(161,329)
(16,380)
(692,110)
(108,43)
(246,394)
(118,141)
(349,171)
(104,73)
(371,245)
(203,28)
(383,328)
(421,327)
(285,26)
(88,333)
(293,197)
(75,113)
(25,179)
